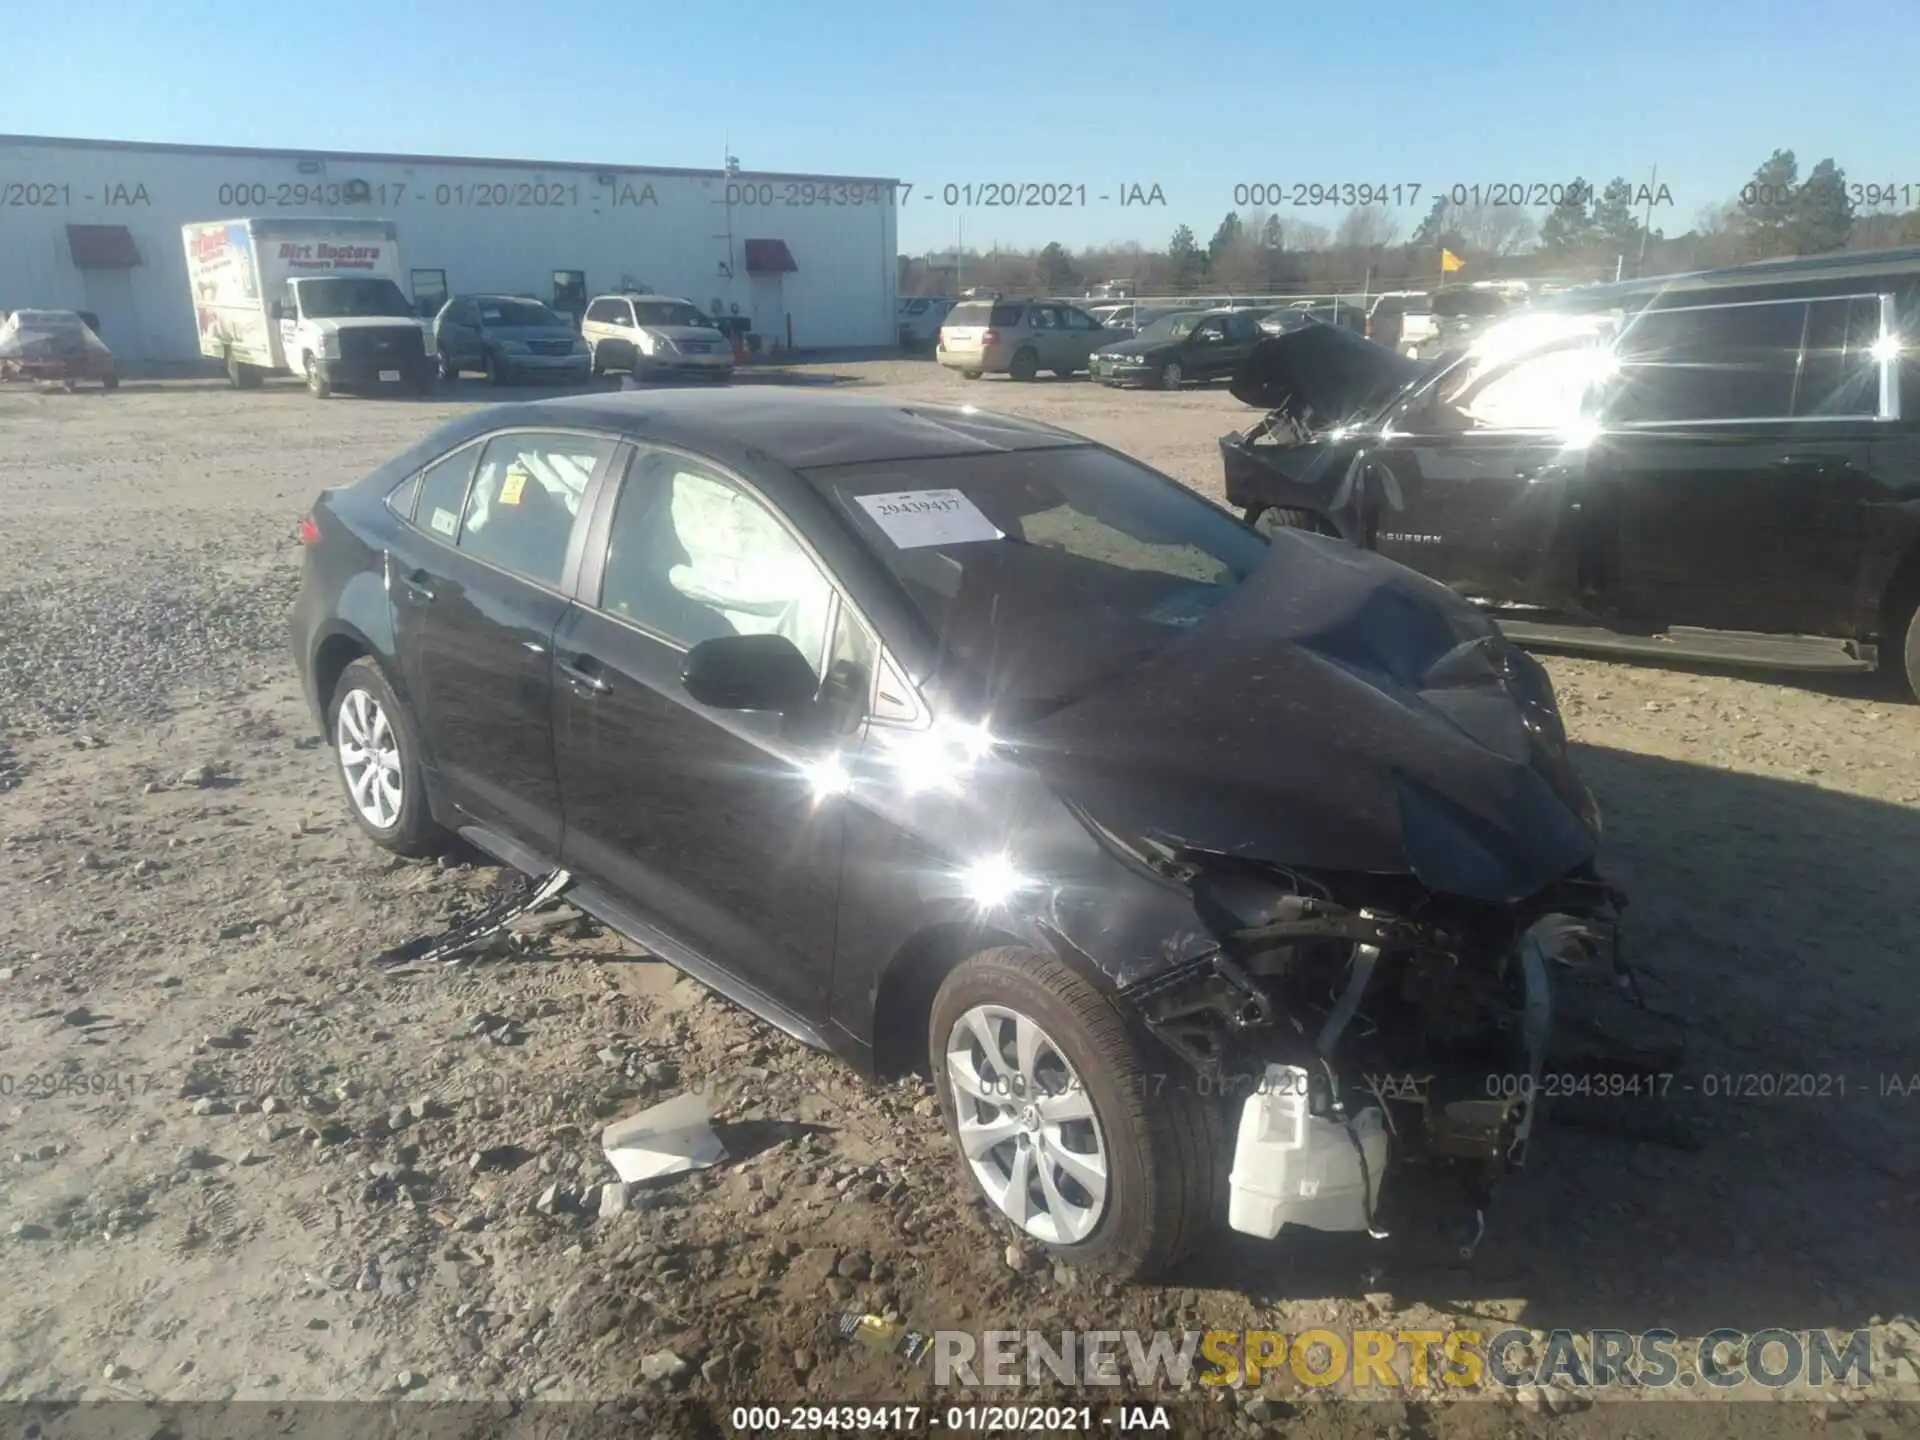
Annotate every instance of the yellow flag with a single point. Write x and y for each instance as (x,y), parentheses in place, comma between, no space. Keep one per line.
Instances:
(1449,261)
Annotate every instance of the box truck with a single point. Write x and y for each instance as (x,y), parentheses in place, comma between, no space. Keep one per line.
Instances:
(311,297)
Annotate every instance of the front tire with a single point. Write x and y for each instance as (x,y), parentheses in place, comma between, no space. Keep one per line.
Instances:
(1065,1125)
(1172,377)
(1910,652)
(377,752)
(449,367)
(1269,518)
(317,384)
(496,370)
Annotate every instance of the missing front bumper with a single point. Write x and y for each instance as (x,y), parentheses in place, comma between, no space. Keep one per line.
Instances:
(1318,1129)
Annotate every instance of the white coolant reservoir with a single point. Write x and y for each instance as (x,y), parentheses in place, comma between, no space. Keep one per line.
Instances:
(1291,1167)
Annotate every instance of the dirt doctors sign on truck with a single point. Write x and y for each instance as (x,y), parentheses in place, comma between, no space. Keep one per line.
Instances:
(319,255)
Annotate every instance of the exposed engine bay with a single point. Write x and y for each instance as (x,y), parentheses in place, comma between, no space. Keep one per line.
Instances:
(1406,1012)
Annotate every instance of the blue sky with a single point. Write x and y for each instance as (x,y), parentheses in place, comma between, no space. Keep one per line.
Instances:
(1195,98)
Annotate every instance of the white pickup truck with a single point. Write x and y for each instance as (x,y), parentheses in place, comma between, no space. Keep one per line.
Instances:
(317,298)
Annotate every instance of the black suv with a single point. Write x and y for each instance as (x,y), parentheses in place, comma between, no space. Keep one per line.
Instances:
(1721,466)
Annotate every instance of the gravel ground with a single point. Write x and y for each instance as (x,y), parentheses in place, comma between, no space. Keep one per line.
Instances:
(237,1158)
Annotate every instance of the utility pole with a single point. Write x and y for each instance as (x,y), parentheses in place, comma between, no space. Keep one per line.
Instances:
(1646,226)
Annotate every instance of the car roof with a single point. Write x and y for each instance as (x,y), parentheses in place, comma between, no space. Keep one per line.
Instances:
(643,295)
(1840,268)
(791,427)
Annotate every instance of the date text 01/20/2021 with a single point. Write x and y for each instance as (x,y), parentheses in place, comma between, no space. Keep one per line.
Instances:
(963,1419)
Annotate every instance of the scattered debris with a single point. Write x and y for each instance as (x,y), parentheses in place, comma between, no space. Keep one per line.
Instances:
(666,1139)
(886,1336)
(471,936)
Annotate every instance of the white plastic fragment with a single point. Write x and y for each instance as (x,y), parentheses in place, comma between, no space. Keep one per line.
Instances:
(666,1139)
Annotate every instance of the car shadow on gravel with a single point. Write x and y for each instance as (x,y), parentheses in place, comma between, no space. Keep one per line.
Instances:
(1779,919)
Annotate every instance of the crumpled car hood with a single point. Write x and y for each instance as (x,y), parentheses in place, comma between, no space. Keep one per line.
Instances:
(1327,368)
(1337,712)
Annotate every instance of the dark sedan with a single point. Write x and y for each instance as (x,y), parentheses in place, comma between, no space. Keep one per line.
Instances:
(949,740)
(1185,346)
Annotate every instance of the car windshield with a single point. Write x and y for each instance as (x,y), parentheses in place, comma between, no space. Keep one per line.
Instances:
(342,296)
(1043,573)
(669,312)
(1172,327)
(516,313)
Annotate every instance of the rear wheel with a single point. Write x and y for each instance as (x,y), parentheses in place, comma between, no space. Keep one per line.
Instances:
(594,367)
(378,753)
(112,382)
(1025,365)
(1064,1124)
(240,375)
(970,374)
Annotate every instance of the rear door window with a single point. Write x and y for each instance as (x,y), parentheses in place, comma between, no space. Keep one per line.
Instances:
(1839,375)
(1721,362)
(524,498)
(443,493)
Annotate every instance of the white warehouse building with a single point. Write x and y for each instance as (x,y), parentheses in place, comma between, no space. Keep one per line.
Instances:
(94,225)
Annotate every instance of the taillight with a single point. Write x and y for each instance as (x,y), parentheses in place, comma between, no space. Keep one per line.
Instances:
(989,337)
(309,532)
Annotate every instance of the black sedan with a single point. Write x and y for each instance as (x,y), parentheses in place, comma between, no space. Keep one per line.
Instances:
(948,740)
(1181,347)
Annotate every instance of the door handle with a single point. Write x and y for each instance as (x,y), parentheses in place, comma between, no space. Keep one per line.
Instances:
(417,585)
(1808,462)
(576,671)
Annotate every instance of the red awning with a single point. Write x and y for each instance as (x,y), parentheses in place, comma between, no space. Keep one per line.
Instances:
(769,257)
(102,247)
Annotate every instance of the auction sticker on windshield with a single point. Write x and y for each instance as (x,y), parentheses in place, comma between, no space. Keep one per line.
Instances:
(914,519)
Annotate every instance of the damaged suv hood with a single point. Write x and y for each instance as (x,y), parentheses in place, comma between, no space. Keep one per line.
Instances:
(1326,370)
(1337,712)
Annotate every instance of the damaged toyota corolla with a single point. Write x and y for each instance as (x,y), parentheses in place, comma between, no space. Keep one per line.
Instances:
(1213,877)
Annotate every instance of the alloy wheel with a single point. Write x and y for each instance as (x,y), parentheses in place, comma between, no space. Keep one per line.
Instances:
(370,759)
(1026,1125)
(1170,375)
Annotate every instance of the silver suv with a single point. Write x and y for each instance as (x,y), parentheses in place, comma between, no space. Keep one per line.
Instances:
(653,337)
(1019,338)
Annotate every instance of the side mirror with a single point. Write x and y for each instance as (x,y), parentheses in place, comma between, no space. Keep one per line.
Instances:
(749,672)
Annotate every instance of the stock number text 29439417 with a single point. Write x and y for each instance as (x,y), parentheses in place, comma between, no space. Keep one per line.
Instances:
(298,194)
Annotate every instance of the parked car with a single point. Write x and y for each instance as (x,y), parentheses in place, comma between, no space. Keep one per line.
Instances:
(509,338)
(920,318)
(1401,320)
(1019,338)
(1194,345)
(655,337)
(56,345)
(1332,312)
(1461,312)
(950,740)
(1723,466)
